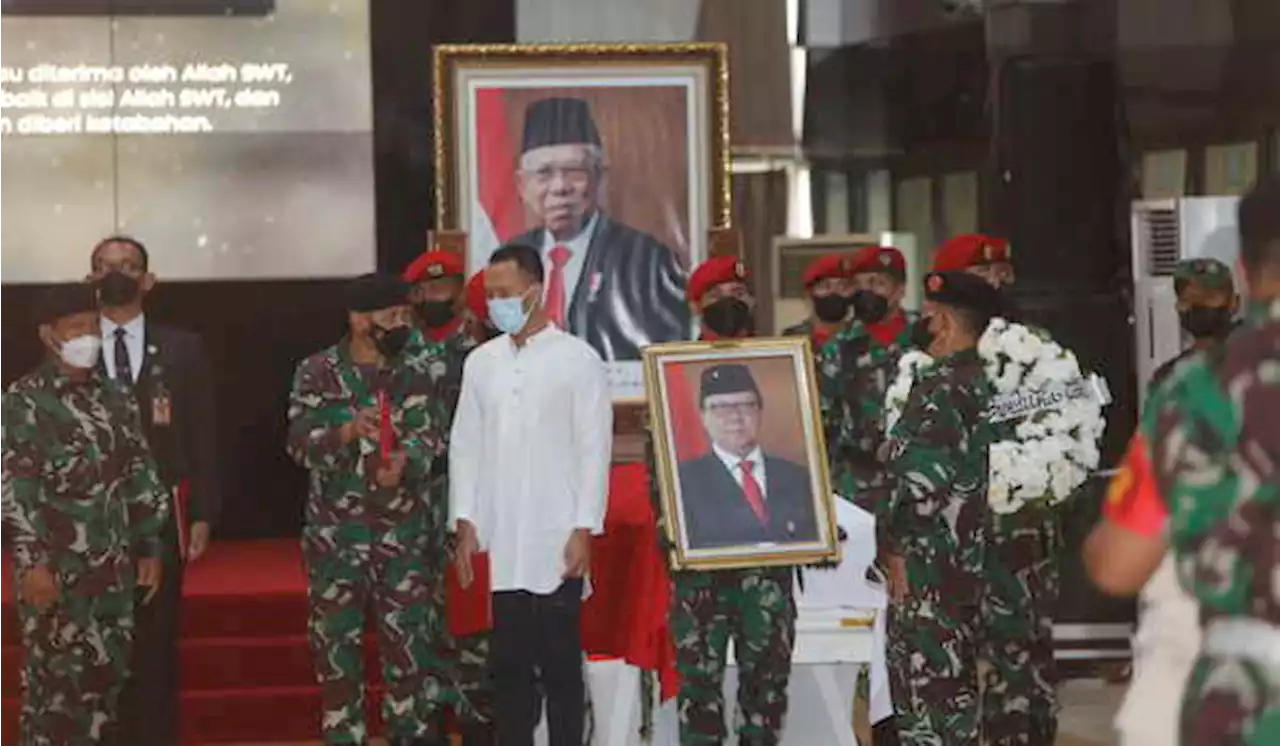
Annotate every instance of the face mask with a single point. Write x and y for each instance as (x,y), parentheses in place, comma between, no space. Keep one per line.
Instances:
(390,342)
(434,313)
(81,352)
(1204,322)
(870,307)
(921,336)
(727,317)
(118,289)
(830,309)
(509,314)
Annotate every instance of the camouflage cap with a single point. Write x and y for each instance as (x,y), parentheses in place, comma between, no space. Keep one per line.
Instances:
(66,299)
(1210,274)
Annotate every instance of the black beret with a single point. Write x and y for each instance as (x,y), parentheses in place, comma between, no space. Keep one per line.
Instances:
(374,292)
(559,121)
(963,290)
(66,299)
(729,378)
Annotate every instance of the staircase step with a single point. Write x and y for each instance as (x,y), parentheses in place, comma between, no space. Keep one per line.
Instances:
(246,662)
(266,615)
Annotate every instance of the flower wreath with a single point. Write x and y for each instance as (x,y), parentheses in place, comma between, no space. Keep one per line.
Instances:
(1053,449)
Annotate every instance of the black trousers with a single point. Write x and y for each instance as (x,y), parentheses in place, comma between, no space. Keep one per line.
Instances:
(536,651)
(149,702)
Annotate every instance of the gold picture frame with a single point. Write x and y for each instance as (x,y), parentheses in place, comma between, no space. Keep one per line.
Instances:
(657,123)
(708,513)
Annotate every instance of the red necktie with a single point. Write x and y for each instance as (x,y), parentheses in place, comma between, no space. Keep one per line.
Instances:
(559,256)
(751,489)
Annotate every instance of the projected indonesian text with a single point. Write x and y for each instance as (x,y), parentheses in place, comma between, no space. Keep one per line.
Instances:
(47,99)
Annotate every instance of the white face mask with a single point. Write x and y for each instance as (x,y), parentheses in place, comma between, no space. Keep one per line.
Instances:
(81,352)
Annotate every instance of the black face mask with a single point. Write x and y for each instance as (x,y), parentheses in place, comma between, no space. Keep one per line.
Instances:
(435,313)
(870,307)
(830,309)
(921,336)
(390,342)
(727,317)
(1204,322)
(118,289)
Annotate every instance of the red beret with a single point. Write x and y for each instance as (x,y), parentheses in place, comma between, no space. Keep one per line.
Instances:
(477,302)
(434,265)
(885,259)
(715,271)
(970,249)
(828,265)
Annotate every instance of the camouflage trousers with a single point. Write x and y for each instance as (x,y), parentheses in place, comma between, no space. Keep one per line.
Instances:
(933,668)
(1231,702)
(754,608)
(343,585)
(77,659)
(472,685)
(1019,698)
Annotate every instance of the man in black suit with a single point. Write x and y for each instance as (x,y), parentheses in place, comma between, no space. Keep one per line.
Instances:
(736,493)
(618,288)
(169,373)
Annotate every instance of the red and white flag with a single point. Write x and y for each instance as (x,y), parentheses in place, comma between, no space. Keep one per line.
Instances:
(499,214)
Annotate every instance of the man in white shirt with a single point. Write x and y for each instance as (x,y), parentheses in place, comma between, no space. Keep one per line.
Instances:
(528,471)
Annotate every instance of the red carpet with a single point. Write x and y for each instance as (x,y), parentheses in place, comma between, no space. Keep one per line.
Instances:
(245,662)
(246,668)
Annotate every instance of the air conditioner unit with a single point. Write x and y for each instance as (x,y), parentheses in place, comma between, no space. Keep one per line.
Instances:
(1164,233)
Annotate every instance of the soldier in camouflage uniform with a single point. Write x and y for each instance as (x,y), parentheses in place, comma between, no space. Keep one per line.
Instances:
(1020,699)
(366,421)
(82,503)
(829,282)
(438,296)
(856,368)
(1207,305)
(753,607)
(936,501)
(1201,476)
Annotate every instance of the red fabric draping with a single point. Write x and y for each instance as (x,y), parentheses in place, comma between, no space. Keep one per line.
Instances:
(626,615)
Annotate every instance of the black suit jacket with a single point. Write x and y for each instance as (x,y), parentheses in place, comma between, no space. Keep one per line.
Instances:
(630,293)
(717,514)
(174,363)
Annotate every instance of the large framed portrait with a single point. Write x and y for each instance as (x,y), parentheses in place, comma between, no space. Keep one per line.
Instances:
(611,159)
(738,445)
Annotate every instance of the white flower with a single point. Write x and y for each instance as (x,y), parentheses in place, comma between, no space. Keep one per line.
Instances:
(1053,451)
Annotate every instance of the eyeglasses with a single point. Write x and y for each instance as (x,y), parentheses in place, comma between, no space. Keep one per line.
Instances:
(740,409)
(572,174)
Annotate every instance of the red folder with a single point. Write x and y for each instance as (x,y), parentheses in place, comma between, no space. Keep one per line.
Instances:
(469,610)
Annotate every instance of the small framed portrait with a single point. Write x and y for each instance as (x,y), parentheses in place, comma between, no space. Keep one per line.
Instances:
(610,159)
(740,456)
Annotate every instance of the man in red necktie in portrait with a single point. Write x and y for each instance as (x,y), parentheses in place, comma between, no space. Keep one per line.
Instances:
(736,493)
